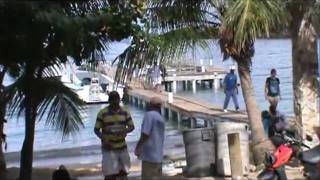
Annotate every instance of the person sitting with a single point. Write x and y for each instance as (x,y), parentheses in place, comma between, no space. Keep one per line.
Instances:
(278,124)
(266,118)
(61,174)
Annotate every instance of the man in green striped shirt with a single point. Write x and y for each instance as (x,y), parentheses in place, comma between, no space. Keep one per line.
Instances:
(112,125)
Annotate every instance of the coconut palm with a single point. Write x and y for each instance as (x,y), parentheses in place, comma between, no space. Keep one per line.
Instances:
(57,104)
(235,23)
(304,16)
(38,37)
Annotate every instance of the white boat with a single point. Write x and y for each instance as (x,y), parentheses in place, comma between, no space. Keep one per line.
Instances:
(91,87)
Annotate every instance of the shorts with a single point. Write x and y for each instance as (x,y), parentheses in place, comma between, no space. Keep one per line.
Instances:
(273,100)
(113,161)
(151,170)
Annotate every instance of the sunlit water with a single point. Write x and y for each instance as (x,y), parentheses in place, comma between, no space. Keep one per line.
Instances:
(269,54)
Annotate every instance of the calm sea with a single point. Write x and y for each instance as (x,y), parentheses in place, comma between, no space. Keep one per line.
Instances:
(269,54)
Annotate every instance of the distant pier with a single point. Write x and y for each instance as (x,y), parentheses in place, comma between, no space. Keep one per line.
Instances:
(190,75)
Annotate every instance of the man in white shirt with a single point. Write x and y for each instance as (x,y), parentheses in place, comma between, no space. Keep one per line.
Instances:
(150,146)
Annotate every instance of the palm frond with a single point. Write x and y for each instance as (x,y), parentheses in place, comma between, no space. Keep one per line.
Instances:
(166,15)
(248,19)
(165,47)
(59,106)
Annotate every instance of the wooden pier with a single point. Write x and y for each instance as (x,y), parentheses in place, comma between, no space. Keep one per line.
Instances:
(192,75)
(184,109)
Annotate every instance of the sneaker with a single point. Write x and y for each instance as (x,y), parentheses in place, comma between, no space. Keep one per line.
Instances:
(225,110)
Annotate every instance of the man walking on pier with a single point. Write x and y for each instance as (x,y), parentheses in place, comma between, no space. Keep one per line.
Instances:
(230,89)
(150,146)
(112,125)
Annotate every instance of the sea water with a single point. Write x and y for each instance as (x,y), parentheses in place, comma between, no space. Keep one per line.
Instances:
(269,54)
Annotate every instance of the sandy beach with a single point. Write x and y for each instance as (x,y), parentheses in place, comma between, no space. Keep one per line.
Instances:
(85,162)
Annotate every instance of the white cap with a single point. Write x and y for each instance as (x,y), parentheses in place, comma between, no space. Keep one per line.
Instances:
(233,67)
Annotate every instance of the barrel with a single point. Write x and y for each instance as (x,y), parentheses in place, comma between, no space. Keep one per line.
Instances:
(200,151)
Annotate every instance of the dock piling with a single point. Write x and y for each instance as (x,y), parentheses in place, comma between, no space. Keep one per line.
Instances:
(174,86)
(194,86)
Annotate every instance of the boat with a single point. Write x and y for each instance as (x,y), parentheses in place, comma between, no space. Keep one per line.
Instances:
(91,87)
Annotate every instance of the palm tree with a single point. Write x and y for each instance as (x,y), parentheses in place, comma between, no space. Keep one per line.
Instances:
(243,22)
(57,104)
(2,136)
(41,38)
(304,63)
(183,24)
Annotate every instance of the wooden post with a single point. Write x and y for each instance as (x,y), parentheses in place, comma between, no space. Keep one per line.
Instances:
(205,123)
(216,81)
(184,85)
(169,114)
(136,101)
(179,119)
(174,86)
(194,86)
(193,123)
(163,111)
(235,155)
(140,103)
(144,105)
(211,84)
(203,69)
(166,86)
(203,83)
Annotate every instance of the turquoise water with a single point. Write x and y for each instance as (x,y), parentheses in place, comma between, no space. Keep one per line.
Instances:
(269,54)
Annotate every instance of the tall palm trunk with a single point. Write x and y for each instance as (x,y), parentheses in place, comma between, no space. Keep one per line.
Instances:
(2,159)
(260,143)
(2,121)
(30,119)
(27,148)
(304,65)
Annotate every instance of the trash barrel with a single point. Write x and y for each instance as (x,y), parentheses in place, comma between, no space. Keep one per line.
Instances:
(229,134)
(200,151)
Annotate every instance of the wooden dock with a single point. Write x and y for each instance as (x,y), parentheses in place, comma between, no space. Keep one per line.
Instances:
(183,108)
(213,75)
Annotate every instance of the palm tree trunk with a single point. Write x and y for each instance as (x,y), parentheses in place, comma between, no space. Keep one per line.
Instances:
(305,67)
(260,143)
(2,159)
(27,148)
(2,121)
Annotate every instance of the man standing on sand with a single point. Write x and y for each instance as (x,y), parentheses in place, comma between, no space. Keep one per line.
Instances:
(150,145)
(230,89)
(112,125)
(272,89)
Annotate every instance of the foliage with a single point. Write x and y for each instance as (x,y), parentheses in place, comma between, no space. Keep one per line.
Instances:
(172,28)
(244,21)
(43,34)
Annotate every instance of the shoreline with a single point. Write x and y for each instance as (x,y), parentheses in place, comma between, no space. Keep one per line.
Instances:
(86,161)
